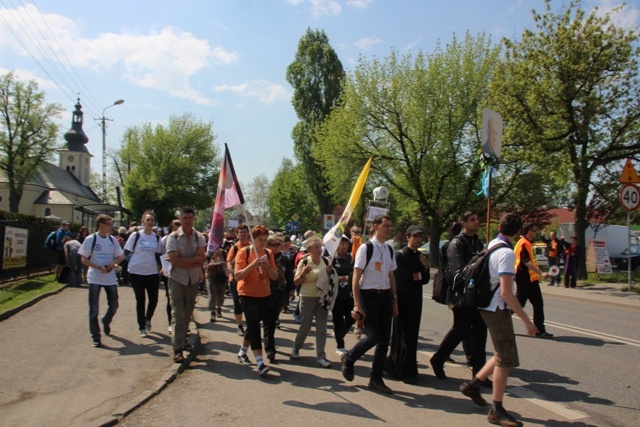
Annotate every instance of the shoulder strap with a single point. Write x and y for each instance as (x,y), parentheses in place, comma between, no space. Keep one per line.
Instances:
(369,245)
(390,251)
(135,241)
(93,244)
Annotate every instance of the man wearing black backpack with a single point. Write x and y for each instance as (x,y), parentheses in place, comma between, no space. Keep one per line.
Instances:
(497,317)
(468,327)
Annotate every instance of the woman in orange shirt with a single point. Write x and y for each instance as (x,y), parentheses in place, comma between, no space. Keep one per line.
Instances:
(253,274)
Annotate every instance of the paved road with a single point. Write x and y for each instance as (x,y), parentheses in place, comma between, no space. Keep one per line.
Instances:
(51,375)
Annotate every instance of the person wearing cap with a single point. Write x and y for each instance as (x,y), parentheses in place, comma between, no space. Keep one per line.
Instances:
(63,235)
(341,312)
(411,275)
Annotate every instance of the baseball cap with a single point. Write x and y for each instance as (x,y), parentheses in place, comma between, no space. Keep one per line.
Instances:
(413,229)
(65,223)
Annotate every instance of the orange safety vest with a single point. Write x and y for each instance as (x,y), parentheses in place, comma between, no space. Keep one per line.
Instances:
(524,243)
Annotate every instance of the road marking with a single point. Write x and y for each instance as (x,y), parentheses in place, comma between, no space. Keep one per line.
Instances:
(595,334)
(556,408)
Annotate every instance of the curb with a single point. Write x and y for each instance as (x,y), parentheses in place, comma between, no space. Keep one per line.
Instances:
(172,373)
(7,314)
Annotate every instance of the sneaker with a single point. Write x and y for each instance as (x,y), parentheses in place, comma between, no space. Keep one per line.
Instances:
(241,330)
(106,328)
(143,333)
(438,368)
(296,318)
(278,324)
(378,385)
(244,359)
(263,369)
(473,393)
(219,312)
(147,324)
(213,318)
(341,351)
(324,362)
(502,418)
(169,329)
(347,368)
(97,343)
(295,353)
(487,384)
(358,332)
(271,355)
(544,334)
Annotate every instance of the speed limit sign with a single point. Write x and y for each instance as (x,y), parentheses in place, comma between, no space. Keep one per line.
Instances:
(630,197)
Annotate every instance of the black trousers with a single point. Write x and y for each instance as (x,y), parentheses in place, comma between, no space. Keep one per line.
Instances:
(402,360)
(142,284)
(468,326)
(531,292)
(377,327)
(342,320)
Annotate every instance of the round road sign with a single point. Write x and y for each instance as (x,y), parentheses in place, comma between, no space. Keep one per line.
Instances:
(630,197)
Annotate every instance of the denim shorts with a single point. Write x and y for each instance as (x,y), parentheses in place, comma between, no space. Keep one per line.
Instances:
(500,326)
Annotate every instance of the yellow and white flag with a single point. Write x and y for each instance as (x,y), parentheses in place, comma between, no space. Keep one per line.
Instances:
(333,236)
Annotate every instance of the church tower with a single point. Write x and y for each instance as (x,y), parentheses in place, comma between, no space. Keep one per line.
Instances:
(74,156)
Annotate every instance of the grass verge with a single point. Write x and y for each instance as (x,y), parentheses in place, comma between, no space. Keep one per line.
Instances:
(24,291)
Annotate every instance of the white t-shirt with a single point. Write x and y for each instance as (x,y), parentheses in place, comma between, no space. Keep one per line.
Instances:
(105,251)
(143,261)
(502,261)
(376,274)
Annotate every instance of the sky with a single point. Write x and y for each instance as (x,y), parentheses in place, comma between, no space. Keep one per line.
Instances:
(224,61)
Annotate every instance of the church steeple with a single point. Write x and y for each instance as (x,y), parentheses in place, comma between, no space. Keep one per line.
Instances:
(75,137)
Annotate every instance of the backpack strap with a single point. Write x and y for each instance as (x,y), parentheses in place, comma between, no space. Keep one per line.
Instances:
(369,245)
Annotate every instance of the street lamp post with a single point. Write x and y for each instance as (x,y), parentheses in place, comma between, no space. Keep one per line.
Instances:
(104,149)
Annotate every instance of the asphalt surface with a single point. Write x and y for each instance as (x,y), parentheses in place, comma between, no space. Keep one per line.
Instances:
(51,375)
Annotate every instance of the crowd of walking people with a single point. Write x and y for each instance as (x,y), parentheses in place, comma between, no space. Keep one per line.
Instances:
(365,285)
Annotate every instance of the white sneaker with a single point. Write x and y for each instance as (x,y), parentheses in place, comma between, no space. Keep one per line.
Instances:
(341,351)
(143,333)
(295,354)
(169,329)
(324,362)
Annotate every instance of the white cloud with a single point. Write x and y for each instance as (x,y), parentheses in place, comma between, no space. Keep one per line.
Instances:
(627,17)
(294,2)
(366,43)
(325,7)
(263,90)
(162,60)
(26,75)
(361,4)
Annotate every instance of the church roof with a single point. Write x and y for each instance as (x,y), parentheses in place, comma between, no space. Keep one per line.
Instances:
(59,186)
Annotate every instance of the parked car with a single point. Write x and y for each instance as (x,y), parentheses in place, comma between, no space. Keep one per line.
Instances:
(425,249)
(622,260)
(539,249)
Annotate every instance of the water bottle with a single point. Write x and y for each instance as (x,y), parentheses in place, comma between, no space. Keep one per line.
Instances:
(470,294)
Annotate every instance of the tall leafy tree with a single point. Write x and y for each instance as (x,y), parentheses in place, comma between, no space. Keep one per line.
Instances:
(27,133)
(315,74)
(256,198)
(569,91)
(289,194)
(418,117)
(170,166)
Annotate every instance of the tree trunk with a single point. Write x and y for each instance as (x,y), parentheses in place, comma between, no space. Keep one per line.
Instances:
(14,199)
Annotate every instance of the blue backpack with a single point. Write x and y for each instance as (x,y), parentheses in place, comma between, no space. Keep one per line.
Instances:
(51,242)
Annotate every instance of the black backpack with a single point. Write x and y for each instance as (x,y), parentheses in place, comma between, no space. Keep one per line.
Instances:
(478,295)
(440,283)
(369,245)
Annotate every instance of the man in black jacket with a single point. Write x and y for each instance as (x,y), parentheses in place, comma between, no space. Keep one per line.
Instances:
(467,323)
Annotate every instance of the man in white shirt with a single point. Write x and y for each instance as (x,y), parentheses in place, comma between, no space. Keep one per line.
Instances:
(101,253)
(497,316)
(375,301)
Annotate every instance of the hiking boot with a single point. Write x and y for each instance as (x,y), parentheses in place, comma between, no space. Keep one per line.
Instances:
(473,393)
(544,334)
(378,385)
(244,359)
(438,368)
(347,368)
(502,418)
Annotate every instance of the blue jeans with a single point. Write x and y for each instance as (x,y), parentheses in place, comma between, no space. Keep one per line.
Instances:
(377,327)
(94,307)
